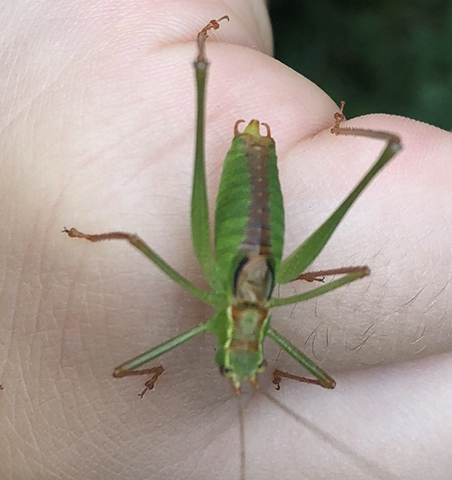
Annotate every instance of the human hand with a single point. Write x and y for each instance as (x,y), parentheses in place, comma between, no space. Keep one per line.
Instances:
(98,133)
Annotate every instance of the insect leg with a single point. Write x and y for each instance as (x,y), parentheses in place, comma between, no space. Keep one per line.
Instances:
(200,225)
(358,272)
(321,377)
(155,373)
(300,259)
(320,275)
(130,367)
(138,243)
(278,375)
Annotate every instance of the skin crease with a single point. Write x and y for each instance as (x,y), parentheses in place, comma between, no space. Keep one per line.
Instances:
(97,133)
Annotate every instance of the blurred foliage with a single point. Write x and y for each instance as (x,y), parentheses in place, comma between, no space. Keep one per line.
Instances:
(380,56)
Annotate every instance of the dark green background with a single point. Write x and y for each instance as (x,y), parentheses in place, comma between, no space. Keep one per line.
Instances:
(380,56)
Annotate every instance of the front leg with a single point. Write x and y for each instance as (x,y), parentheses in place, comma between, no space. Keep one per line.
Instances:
(149,385)
(278,375)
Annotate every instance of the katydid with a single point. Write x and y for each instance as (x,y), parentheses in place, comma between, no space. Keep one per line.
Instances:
(246,262)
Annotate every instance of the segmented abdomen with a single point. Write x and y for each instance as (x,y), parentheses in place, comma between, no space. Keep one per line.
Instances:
(258,228)
(249,216)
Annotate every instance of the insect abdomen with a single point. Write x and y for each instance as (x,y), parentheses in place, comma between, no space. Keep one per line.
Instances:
(249,216)
(258,228)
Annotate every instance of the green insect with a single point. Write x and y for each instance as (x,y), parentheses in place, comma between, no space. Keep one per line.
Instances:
(246,263)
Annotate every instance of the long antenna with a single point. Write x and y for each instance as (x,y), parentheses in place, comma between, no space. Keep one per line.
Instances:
(242,437)
(370,466)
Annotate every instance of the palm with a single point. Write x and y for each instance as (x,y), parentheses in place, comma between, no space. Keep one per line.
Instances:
(102,138)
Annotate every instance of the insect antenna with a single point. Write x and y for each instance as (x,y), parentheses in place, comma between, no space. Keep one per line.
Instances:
(242,437)
(376,471)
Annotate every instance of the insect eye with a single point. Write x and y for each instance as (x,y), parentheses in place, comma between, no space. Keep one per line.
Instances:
(262,366)
(225,370)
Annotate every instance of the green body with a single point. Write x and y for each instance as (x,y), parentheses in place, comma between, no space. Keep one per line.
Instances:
(249,235)
(249,153)
(245,264)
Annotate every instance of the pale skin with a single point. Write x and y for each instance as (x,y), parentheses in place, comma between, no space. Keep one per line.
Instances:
(97,132)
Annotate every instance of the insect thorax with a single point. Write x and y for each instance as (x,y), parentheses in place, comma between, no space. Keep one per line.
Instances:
(253,282)
(247,319)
